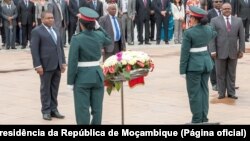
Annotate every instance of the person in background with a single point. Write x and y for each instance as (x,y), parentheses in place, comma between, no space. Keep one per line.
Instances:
(179,14)
(41,6)
(85,75)
(9,14)
(49,62)
(113,27)
(216,11)
(227,48)
(196,63)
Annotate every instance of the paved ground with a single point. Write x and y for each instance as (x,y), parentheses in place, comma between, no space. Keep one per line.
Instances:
(162,100)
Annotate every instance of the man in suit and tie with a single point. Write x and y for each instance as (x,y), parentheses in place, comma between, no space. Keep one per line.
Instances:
(162,12)
(226,48)
(216,11)
(244,13)
(49,62)
(9,14)
(143,9)
(26,19)
(114,29)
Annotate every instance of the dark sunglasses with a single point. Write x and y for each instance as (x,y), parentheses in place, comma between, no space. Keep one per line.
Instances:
(217,1)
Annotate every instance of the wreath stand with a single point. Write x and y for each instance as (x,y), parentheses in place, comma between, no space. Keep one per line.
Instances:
(134,74)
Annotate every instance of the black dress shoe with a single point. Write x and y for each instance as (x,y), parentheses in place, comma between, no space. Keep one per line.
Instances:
(236,87)
(140,43)
(47,117)
(57,115)
(23,47)
(166,43)
(233,97)
(221,97)
(147,43)
(246,40)
(152,39)
(157,42)
(13,48)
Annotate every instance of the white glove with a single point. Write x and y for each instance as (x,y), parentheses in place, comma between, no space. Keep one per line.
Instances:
(183,75)
(71,87)
(97,25)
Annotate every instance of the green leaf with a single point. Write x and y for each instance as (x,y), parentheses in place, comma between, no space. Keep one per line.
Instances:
(126,75)
(109,90)
(118,86)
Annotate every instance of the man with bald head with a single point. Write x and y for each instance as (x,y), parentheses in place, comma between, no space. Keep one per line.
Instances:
(115,31)
(226,48)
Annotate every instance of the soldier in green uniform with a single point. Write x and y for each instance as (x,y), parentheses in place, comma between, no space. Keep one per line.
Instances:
(196,63)
(85,75)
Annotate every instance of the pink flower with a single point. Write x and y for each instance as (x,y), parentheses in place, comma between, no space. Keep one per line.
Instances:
(119,56)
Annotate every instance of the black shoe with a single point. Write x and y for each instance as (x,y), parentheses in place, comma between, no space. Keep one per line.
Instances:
(221,97)
(23,47)
(57,115)
(246,40)
(236,87)
(233,97)
(147,43)
(152,39)
(13,48)
(167,43)
(158,42)
(47,117)
(140,43)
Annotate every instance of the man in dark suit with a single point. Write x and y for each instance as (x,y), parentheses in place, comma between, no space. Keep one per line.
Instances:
(227,47)
(162,11)
(216,11)
(244,13)
(97,6)
(26,19)
(49,62)
(143,8)
(113,27)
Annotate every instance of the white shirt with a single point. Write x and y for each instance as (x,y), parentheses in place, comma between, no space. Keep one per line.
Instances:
(113,26)
(124,6)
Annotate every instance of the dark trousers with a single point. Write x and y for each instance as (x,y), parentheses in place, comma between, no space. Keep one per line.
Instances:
(160,20)
(3,34)
(213,78)
(152,27)
(72,29)
(197,87)
(10,34)
(26,31)
(89,95)
(144,22)
(246,23)
(117,48)
(50,81)
(226,76)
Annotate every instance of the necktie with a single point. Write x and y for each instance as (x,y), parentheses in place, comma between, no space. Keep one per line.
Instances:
(52,34)
(219,12)
(60,9)
(228,25)
(117,37)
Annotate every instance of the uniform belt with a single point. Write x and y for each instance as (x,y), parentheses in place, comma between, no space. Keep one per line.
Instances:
(89,64)
(200,49)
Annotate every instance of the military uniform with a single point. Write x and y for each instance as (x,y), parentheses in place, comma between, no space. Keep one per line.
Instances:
(85,73)
(196,64)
